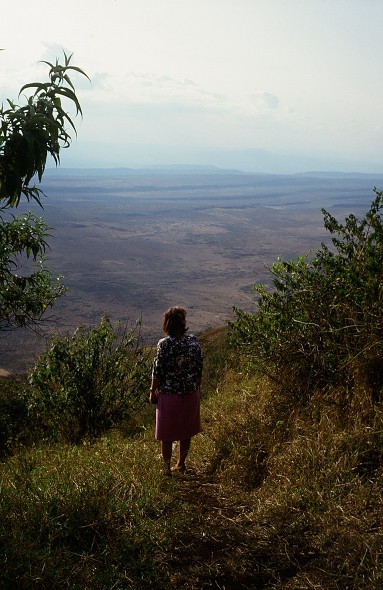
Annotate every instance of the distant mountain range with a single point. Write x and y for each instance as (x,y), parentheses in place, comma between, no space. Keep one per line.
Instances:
(165,169)
(186,169)
(253,161)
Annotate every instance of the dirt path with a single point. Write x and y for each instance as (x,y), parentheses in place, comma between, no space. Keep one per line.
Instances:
(222,549)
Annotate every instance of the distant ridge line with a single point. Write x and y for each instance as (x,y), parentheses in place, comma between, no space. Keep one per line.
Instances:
(171,169)
(204,169)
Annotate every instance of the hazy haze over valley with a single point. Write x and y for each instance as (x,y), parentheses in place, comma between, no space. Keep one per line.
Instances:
(132,242)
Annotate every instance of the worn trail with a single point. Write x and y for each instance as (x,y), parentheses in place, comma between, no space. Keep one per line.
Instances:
(222,548)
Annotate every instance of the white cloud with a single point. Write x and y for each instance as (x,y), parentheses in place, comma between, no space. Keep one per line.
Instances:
(149,88)
(264,100)
(139,92)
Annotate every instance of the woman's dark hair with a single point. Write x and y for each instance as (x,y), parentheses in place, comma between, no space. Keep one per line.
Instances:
(174,322)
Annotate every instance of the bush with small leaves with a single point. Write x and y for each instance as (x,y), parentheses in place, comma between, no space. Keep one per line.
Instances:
(14,415)
(322,323)
(91,381)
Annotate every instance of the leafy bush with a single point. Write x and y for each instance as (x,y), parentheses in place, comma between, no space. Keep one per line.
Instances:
(217,358)
(14,419)
(30,133)
(91,381)
(322,323)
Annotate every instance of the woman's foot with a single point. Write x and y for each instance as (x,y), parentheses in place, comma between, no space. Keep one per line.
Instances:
(166,470)
(179,468)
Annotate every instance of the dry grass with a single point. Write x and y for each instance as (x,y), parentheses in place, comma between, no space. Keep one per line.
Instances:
(310,481)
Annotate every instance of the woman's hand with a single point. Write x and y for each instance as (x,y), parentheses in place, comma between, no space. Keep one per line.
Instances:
(153,392)
(153,396)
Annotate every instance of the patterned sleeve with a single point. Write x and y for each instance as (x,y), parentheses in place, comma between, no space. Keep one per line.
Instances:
(158,364)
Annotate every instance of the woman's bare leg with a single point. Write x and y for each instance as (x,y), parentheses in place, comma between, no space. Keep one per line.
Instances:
(166,450)
(184,446)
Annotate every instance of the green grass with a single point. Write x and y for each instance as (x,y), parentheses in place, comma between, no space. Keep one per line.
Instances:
(81,517)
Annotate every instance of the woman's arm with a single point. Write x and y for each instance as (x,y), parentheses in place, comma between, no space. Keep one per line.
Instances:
(153,390)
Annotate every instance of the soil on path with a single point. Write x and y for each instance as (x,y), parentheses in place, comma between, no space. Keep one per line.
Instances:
(222,548)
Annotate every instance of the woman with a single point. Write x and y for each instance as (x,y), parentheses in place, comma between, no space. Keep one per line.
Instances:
(176,384)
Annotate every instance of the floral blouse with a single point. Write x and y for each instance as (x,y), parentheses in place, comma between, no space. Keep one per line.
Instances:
(178,364)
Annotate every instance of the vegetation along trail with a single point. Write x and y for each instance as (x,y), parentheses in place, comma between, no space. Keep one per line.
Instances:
(278,494)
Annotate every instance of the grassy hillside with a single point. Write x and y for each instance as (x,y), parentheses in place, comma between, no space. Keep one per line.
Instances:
(277,495)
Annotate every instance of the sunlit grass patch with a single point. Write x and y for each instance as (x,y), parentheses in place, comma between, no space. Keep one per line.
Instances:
(91,515)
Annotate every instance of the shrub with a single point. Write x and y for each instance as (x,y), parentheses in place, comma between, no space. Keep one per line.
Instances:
(91,381)
(13,414)
(323,320)
(217,358)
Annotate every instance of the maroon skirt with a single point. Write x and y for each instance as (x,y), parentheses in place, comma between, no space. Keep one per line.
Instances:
(178,416)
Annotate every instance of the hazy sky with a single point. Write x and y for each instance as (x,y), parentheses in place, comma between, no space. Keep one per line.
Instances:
(181,81)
